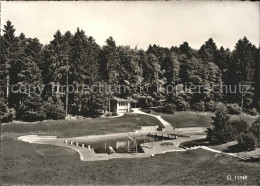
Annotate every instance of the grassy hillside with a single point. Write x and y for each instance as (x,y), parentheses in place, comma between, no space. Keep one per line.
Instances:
(88,126)
(24,163)
(198,119)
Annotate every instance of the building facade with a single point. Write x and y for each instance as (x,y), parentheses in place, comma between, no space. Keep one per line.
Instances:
(119,105)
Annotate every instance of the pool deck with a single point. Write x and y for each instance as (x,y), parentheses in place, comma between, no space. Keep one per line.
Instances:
(88,154)
(82,144)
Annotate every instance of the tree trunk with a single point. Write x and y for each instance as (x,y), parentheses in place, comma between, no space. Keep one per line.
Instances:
(7,89)
(67,89)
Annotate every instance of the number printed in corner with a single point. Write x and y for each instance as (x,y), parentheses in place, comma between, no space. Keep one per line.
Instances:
(240,177)
(237,178)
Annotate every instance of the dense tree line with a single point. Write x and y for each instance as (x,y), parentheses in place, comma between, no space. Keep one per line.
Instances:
(76,59)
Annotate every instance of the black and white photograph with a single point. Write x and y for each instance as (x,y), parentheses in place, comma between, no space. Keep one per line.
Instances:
(130,93)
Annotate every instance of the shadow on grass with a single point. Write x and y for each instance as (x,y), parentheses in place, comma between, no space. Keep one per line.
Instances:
(233,149)
(251,160)
(199,142)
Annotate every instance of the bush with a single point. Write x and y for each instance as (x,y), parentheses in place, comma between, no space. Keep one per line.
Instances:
(258,106)
(6,114)
(114,114)
(213,106)
(237,127)
(255,130)
(211,136)
(146,111)
(234,109)
(252,112)
(182,105)
(54,111)
(199,106)
(31,109)
(29,116)
(247,141)
(159,109)
(145,104)
(169,109)
(108,114)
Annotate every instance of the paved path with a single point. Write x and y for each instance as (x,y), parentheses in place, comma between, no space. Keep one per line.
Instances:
(149,148)
(217,151)
(167,125)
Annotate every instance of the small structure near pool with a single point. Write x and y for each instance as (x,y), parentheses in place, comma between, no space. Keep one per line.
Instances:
(119,105)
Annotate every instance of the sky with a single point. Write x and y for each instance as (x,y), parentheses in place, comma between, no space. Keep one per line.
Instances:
(166,23)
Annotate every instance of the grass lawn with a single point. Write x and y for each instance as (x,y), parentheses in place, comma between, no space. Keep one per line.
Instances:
(198,119)
(24,163)
(188,119)
(88,126)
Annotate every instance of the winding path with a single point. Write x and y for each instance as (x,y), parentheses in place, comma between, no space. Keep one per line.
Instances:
(217,151)
(166,124)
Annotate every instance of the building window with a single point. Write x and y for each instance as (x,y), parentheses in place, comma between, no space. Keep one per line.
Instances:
(123,103)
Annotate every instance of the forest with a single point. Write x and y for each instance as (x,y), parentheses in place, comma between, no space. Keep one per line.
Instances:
(31,72)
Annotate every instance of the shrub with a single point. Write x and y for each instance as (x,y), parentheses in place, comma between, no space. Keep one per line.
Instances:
(252,112)
(182,105)
(169,109)
(159,109)
(108,114)
(211,136)
(6,114)
(114,114)
(54,111)
(234,109)
(199,106)
(145,104)
(146,111)
(237,127)
(258,106)
(31,109)
(247,141)
(29,116)
(255,130)
(210,106)
(213,106)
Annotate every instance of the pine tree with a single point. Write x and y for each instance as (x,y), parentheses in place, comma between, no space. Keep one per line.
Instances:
(208,51)
(242,70)
(222,58)
(84,67)
(171,67)
(9,47)
(110,62)
(130,73)
(31,106)
(220,132)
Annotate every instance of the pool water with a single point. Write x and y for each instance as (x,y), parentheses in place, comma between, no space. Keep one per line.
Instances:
(120,145)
